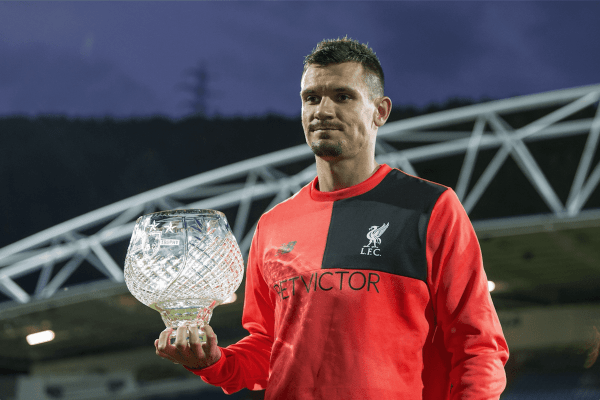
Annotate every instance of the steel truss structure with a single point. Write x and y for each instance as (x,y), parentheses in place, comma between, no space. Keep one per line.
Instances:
(57,252)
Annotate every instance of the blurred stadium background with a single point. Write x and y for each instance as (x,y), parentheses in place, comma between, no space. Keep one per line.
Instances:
(526,168)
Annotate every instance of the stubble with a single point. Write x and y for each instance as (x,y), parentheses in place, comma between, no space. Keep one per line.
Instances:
(324,149)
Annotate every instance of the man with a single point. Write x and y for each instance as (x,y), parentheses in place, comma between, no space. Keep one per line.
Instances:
(366,284)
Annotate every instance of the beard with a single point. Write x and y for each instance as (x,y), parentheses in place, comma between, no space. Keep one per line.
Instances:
(325,149)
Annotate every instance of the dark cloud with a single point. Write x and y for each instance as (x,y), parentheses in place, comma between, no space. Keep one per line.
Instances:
(36,79)
(567,39)
(440,50)
(429,38)
(430,51)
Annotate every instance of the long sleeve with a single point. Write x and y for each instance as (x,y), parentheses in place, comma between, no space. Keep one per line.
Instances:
(462,304)
(245,364)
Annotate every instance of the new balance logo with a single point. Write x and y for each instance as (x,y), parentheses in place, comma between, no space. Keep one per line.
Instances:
(285,248)
(374,236)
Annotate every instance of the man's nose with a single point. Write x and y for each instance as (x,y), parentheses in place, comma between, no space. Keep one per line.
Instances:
(325,109)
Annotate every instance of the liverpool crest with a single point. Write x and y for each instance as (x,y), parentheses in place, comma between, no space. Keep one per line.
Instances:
(151,244)
(374,236)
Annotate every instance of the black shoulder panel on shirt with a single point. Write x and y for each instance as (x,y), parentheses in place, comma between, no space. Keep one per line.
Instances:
(384,229)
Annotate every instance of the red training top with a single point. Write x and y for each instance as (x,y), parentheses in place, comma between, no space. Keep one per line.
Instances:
(376,291)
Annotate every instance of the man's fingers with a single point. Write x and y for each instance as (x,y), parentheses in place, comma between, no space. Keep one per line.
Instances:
(163,339)
(211,337)
(159,350)
(211,351)
(188,348)
(194,335)
(196,344)
(181,340)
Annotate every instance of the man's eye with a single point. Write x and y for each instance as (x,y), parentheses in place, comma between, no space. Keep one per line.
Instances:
(344,97)
(311,99)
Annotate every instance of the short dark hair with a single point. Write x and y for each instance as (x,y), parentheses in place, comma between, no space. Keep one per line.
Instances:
(337,51)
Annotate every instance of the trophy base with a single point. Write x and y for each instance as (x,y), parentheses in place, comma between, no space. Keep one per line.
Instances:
(186,312)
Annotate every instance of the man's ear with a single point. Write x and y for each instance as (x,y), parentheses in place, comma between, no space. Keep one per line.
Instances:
(383,107)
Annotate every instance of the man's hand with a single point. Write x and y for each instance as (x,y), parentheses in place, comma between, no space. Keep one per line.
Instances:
(193,354)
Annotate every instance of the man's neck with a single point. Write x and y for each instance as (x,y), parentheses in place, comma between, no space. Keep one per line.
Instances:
(336,175)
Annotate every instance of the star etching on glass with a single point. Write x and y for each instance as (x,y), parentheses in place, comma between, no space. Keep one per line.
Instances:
(153,226)
(169,228)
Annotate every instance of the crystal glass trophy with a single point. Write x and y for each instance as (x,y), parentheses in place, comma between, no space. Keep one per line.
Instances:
(183,263)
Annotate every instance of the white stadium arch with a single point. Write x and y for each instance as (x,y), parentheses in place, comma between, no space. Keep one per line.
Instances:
(57,252)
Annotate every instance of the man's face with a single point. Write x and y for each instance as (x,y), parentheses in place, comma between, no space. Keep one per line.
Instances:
(337,115)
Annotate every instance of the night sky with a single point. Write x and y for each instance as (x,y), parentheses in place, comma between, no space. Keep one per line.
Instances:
(133,58)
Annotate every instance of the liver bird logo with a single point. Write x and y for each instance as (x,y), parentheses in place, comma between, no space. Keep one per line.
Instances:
(375,233)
